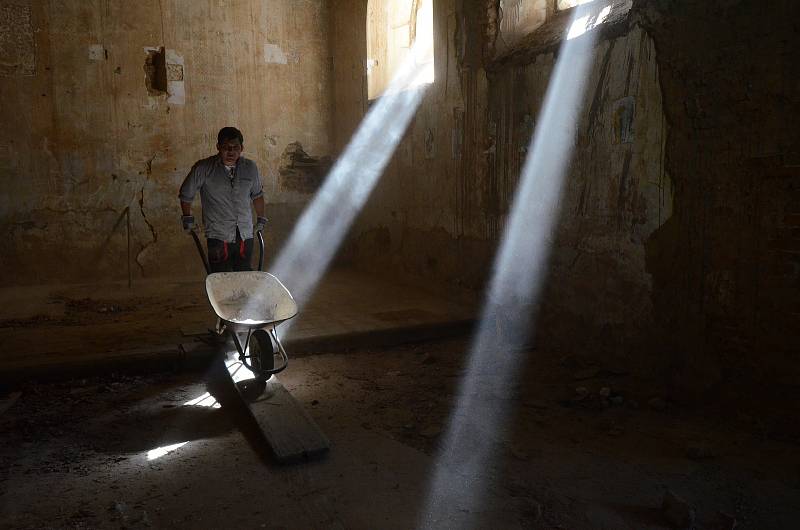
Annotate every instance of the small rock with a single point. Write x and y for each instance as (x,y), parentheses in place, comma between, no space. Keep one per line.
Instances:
(82,513)
(119,509)
(605,392)
(723,521)
(431,432)
(677,512)
(519,454)
(537,404)
(581,393)
(586,373)
(699,452)
(657,403)
(616,400)
(531,513)
(6,402)
(82,390)
(144,520)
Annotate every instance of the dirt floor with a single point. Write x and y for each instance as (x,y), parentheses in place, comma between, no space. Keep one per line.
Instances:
(57,328)
(584,447)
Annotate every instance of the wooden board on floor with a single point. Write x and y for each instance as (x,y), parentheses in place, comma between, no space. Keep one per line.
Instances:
(290,430)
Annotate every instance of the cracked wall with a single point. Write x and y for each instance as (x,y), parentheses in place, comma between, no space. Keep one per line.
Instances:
(108,105)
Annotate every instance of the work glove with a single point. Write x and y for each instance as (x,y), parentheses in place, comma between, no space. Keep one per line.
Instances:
(188,222)
(261,222)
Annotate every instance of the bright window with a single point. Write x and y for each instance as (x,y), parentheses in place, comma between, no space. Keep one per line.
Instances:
(519,18)
(398,31)
(566,4)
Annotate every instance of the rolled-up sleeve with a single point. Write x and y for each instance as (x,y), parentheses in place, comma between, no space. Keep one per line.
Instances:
(191,184)
(256,190)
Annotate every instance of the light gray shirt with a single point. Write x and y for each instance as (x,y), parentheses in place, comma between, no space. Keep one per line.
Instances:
(226,198)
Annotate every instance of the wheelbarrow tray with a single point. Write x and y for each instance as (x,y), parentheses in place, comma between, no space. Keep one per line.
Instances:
(249,299)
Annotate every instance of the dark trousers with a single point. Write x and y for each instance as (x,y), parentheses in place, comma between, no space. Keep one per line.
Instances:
(226,257)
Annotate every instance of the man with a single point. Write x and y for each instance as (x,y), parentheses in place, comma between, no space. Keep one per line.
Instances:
(228,184)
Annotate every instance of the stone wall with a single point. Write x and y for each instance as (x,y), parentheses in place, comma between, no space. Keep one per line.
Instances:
(106,105)
(676,251)
(726,266)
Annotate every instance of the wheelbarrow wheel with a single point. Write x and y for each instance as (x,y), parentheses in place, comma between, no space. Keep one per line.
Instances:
(261,354)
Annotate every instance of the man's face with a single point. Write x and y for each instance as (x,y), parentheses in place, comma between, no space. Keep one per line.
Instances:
(230,151)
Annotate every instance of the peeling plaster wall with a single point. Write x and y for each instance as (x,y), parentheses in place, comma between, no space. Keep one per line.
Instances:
(617,192)
(676,251)
(85,141)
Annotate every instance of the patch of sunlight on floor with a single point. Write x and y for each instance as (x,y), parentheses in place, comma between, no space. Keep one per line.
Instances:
(158,452)
(206,400)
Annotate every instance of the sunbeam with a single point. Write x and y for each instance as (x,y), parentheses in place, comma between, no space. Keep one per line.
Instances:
(479,420)
(325,222)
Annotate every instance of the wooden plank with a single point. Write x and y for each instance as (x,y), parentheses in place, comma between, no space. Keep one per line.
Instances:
(290,430)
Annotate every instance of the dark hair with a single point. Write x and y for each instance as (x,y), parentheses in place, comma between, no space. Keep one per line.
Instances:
(229,133)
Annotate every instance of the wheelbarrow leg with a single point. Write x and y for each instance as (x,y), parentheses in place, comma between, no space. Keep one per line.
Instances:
(277,342)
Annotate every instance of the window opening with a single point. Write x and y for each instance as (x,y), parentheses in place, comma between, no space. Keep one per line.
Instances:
(566,4)
(519,18)
(398,30)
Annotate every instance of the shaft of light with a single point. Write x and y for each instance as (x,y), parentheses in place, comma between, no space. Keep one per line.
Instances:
(325,222)
(478,425)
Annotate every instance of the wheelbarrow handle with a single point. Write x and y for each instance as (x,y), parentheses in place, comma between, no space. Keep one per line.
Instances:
(200,250)
(260,250)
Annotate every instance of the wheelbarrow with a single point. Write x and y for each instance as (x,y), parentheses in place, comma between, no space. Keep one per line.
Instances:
(249,306)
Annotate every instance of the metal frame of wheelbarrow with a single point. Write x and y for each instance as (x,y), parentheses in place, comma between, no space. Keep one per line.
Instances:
(234,328)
